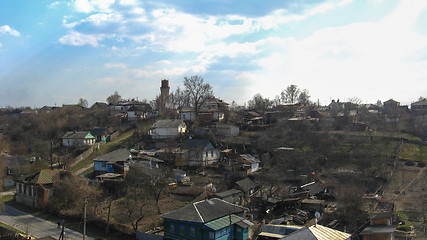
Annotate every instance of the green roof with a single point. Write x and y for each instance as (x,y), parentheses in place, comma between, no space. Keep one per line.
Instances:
(44,176)
(223,222)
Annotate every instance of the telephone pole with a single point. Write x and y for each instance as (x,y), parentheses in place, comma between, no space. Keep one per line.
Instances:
(84,220)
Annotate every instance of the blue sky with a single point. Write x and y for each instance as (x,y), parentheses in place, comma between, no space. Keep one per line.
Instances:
(55,52)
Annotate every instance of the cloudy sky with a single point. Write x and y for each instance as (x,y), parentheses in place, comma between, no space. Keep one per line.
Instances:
(55,52)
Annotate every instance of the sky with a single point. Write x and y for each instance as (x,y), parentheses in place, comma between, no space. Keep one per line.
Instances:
(56,52)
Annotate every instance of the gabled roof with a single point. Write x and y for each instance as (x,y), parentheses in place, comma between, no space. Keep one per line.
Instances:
(168,123)
(420,103)
(44,176)
(98,131)
(317,232)
(198,144)
(227,193)
(313,188)
(78,135)
(204,211)
(391,101)
(249,158)
(246,184)
(118,155)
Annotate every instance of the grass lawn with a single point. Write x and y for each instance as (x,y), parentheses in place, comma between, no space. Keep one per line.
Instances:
(412,152)
(103,149)
(6,198)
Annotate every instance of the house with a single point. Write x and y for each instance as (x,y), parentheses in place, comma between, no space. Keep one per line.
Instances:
(213,109)
(419,105)
(113,162)
(232,196)
(101,134)
(253,117)
(250,163)
(196,152)
(81,138)
(35,189)
(187,114)
(380,227)
(274,231)
(313,205)
(317,232)
(14,166)
(247,186)
(207,220)
(167,128)
(311,189)
(139,111)
(226,130)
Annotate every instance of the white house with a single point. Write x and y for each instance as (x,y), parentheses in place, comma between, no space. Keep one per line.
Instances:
(73,138)
(187,114)
(168,128)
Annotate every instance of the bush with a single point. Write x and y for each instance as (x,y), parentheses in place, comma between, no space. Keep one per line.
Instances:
(421,164)
(409,163)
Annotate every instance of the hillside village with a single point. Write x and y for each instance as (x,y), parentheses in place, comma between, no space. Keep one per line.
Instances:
(188,165)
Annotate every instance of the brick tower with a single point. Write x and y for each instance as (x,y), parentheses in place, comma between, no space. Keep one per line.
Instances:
(164,96)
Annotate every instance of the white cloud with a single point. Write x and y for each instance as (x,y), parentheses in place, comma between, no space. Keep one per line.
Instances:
(53,4)
(88,6)
(371,60)
(128,2)
(116,65)
(6,29)
(163,62)
(79,39)
(1,45)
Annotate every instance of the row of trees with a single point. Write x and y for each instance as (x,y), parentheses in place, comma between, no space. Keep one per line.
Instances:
(292,94)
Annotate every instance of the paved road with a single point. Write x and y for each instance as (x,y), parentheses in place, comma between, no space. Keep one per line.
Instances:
(35,226)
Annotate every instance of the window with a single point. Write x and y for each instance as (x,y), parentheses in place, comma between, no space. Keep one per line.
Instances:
(103,164)
(25,189)
(211,235)
(182,230)
(192,231)
(206,154)
(20,188)
(211,153)
(172,228)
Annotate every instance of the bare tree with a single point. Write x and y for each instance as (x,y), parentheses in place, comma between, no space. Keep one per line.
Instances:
(198,91)
(180,98)
(132,208)
(304,97)
(258,102)
(83,103)
(155,103)
(114,99)
(290,94)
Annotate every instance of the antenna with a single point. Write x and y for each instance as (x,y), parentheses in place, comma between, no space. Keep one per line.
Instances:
(317,215)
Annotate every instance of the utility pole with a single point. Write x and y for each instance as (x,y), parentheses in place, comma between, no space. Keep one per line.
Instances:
(51,155)
(84,220)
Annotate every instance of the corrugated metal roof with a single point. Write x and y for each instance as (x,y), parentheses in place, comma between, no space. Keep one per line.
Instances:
(317,232)
(45,176)
(223,222)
